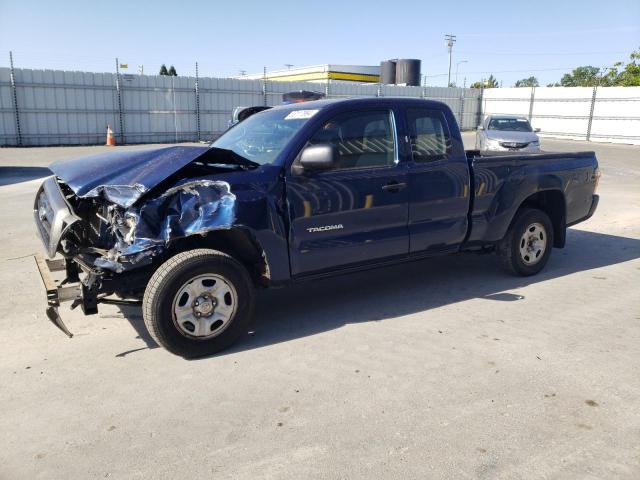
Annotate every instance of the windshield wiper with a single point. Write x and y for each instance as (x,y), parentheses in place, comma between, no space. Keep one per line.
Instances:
(231,157)
(226,166)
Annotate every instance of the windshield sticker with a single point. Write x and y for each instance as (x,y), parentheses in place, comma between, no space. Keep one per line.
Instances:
(300,114)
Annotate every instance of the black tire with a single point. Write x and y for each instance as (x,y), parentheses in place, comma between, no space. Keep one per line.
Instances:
(158,301)
(509,251)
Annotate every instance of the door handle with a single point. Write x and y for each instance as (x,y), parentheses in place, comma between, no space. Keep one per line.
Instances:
(393,187)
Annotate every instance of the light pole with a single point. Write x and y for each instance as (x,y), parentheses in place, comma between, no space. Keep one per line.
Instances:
(450,40)
(457,65)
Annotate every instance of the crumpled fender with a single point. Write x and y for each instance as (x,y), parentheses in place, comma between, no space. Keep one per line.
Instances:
(195,207)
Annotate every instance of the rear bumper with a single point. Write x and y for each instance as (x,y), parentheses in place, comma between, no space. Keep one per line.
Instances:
(594,205)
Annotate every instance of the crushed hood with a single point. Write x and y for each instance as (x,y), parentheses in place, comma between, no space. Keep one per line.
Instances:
(123,176)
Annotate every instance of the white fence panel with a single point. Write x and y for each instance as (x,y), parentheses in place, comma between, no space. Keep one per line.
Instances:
(613,115)
(616,115)
(64,107)
(562,111)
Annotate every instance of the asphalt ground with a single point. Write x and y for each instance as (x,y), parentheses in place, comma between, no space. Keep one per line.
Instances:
(446,368)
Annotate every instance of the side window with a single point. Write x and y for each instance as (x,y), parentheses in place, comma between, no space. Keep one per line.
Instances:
(362,139)
(428,135)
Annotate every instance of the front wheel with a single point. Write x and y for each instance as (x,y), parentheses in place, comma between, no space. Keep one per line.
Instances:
(198,302)
(526,247)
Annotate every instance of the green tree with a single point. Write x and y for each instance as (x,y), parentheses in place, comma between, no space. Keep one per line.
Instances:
(586,76)
(490,82)
(163,70)
(172,71)
(528,82)
(629,76)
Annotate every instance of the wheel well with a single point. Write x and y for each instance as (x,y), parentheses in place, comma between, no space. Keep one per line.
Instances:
(238,243)
(552,202)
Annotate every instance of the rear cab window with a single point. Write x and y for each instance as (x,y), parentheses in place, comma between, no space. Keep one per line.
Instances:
(429,136)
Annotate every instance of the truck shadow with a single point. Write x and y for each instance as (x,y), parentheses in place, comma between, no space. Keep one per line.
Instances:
(10,175)
(376,295)
(314,307)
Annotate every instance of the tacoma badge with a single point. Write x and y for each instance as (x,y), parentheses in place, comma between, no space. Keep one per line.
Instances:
(325,228)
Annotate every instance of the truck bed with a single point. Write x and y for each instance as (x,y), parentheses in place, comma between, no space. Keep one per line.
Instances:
(502,181)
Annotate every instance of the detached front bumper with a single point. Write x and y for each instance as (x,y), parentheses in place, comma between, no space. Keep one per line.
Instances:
(56,293)
(54,217)
(69,289)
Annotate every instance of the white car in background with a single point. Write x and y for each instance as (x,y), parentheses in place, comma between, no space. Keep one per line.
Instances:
(507,133)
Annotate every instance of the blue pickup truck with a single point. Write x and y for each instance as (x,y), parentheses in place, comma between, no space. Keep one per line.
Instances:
(293,193)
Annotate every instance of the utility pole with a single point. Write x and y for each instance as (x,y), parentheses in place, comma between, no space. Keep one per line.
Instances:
(288,65)
(450,40)
(457,66)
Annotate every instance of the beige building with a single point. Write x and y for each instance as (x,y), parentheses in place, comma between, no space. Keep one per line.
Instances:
(322,74)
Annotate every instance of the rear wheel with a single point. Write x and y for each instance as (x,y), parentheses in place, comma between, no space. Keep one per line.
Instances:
(526,247)
(198,302)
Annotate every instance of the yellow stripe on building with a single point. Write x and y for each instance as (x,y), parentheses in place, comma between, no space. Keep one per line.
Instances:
(306,77)
(354,77)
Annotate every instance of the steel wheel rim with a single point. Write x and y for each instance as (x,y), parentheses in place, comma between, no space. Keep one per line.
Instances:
(204,306)
(533,244)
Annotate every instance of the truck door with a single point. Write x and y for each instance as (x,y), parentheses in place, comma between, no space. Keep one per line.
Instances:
(357,212)
(438,183)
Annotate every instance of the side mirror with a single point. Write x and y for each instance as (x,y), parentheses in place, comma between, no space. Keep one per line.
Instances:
(480,127)
(318,157)
(536,130)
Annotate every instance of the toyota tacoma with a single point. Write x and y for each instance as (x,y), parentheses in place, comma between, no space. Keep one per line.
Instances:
(293,193)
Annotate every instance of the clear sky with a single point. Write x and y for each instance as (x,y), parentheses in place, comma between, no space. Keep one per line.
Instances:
(512,39)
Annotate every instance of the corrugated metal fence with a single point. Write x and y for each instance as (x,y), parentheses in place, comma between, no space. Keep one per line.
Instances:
(49,107)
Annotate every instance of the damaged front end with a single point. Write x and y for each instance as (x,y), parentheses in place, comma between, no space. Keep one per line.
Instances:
(144,232)
(110,236)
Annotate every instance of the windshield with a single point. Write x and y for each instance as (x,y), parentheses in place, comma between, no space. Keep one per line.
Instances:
(510,124)
(261,137)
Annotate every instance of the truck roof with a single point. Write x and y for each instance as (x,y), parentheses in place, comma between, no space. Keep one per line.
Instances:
(361,101)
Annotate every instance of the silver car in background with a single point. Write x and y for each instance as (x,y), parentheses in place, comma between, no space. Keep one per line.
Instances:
(507,133)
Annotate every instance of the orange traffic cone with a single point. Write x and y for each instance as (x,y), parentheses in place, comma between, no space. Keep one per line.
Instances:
(111,139)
